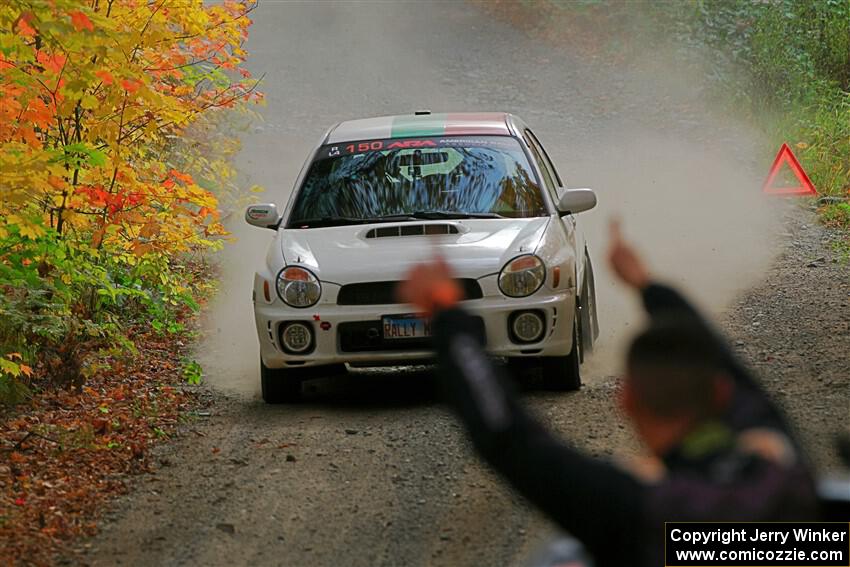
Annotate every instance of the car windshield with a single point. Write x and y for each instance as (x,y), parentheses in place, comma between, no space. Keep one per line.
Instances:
(402,179)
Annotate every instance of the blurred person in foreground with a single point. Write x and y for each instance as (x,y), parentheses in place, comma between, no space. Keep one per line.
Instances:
(724,451)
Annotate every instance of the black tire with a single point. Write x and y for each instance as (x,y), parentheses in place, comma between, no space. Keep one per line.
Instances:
(587,308)
(584,323)
(280,385)
(563,373)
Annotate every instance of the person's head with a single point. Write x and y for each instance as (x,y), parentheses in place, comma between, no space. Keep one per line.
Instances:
(675,379)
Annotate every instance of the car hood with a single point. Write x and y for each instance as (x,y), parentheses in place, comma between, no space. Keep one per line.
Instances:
(344,254)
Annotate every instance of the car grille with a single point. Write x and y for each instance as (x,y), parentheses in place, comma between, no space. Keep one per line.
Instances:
(383,293)
(368,336)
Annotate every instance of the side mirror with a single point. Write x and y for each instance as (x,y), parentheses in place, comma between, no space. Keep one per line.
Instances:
(576,201)
(264,215)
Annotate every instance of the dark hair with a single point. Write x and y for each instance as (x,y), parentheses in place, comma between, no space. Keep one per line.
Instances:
(672,367)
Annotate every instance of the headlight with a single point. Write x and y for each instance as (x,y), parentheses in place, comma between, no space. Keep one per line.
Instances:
(298,287)
(522,276)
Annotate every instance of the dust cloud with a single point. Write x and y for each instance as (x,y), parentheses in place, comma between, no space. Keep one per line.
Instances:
(685,184)
(696,215)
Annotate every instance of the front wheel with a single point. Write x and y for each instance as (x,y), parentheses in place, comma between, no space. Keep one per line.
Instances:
(279,385)
(563,373)
(589,317)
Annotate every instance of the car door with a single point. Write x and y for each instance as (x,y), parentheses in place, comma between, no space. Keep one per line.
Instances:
(556,187)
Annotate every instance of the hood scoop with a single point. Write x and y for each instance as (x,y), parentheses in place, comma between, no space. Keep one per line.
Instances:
(412,230)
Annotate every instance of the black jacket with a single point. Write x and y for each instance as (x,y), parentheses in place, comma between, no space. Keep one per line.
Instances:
(618,518)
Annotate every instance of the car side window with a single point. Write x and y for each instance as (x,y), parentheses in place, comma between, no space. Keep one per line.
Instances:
(548,178)
(548,162)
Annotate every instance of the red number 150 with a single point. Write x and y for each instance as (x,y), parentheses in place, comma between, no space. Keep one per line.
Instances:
(364,146)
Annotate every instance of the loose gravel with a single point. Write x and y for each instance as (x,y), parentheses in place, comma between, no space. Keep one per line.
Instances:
(370,470)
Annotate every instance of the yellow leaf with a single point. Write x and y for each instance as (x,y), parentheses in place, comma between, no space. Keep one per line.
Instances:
(71,217)
(257,189)
(9,367)
(89,102)
(802,145)
(31,231)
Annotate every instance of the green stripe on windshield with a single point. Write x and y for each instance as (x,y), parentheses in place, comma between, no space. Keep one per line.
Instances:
(415,126)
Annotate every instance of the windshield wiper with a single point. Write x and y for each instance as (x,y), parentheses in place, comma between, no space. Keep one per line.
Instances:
(429,215)
(331,220)
(316,222)
(434,215)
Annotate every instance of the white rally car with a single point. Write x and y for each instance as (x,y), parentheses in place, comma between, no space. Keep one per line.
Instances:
(379,195)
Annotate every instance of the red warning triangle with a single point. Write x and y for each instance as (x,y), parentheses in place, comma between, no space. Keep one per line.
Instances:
(786,156)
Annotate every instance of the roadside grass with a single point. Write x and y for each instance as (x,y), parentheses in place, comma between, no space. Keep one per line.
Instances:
(837,215)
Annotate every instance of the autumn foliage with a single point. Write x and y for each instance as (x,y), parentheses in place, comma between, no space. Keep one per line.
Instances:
(104,206)
(114,164)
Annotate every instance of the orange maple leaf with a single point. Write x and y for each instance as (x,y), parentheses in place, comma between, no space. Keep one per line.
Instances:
(55,181)
(180,176)
(24,27)
(51,62)
(105,77)
(39,113)
(131,85)
(81,21)
(27,134)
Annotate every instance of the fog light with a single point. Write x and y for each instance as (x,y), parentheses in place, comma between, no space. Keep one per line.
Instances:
(296,337)
(528,326)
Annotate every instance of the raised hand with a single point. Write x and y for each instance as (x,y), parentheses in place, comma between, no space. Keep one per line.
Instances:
(430,286)
(625,261)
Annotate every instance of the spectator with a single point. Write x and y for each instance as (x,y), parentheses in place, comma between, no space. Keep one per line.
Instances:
(726,451)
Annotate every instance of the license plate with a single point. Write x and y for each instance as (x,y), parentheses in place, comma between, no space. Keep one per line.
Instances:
(406,327)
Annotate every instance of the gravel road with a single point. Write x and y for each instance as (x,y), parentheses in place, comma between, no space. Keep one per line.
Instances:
(370,469)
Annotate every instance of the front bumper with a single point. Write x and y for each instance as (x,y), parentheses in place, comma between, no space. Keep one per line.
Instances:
(330,322)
